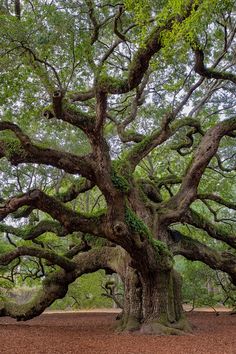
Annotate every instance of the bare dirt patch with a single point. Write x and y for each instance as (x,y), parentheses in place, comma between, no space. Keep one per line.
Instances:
(85,333)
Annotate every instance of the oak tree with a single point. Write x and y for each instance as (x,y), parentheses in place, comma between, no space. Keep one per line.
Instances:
(134,102)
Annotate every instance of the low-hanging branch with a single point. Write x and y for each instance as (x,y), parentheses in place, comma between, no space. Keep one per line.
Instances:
(197,251)
(216,231)
(46,254)
(55,285)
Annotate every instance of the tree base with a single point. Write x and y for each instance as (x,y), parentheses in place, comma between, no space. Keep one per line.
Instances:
(155,327)
(182,327)
(129,325)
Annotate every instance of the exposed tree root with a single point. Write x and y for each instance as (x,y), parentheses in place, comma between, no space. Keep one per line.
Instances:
(155,327)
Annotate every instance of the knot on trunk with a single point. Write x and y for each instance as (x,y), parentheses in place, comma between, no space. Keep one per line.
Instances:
(120,229)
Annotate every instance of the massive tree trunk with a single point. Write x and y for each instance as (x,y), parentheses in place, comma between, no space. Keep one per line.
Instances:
(153,303)
(161,303)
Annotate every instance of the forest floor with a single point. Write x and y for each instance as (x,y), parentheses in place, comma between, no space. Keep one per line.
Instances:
(93,332)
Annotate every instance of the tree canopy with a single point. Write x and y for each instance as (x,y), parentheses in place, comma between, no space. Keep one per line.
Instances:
(117,147)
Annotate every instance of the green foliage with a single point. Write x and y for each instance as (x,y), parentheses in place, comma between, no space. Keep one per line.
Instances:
(191,28)
(161,247)
(3,292)
(86,292)
(4,246)
(141,10)
(188,32)
(201,286)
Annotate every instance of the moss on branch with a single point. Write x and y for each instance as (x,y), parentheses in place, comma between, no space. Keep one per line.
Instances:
(96,216)
(30,232)
(12,147)
(138,226)
(47,254)
(119,181)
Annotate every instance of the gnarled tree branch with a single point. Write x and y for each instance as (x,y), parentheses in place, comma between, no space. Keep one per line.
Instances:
(55,285)
(216,231)
(69,219)
(195,250)
(203,155)
(202,70)
(49,255)
(26,151)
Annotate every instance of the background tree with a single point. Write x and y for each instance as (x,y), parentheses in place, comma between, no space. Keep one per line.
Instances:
(134,102)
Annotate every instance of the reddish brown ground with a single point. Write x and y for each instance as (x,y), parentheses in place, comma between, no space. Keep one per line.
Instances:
(85,333)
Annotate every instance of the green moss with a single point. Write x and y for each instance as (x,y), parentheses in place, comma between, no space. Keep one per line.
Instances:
(13,147)
(132,324)
(109,83)
(163,318)
(119,181)
(138,148)
(160,247)
(120,176)
(96,242)
(22,311)
(25,232)
(95,216)
(136,224)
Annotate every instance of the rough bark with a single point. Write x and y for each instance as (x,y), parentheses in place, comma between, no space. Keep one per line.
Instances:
(153,303)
